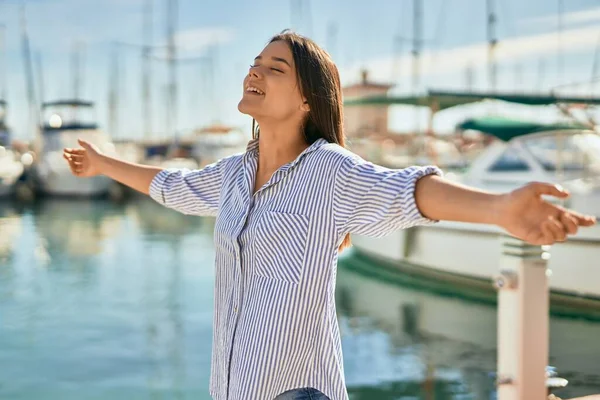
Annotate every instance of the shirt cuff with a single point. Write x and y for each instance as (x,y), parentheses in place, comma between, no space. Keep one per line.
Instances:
(417,218)
(156,186)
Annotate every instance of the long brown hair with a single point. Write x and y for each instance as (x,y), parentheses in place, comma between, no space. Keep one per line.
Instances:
(319,82)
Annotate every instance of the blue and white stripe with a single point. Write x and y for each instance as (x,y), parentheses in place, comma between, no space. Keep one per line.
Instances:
(275,325)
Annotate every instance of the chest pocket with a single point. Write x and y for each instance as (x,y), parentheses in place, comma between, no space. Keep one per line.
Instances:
(281,246)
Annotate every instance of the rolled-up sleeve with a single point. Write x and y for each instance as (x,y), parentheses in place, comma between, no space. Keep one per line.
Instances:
(193,192)
(372,200)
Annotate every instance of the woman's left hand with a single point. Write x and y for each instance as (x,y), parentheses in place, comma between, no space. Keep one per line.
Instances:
(525,215)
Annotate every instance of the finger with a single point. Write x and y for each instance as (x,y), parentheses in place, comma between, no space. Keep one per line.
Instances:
(584,220)
(69,159)
(547,235)
(542,188)
(75,151)
(83,143)
(569,222)
(71,166)
(558,231)
(77,157)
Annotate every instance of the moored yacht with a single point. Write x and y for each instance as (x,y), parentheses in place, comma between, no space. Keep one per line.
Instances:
(63,123)
(550,153)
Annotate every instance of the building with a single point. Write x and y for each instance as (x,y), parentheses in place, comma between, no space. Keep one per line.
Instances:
(361,121)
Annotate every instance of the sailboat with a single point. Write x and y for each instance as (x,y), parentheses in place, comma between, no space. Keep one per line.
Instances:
(65,121)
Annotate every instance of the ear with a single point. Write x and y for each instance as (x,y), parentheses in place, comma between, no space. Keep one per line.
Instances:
(305,107)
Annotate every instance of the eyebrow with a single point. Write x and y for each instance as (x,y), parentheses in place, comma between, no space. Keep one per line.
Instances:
(283,60)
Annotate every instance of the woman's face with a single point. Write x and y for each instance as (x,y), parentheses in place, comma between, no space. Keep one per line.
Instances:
(271,89)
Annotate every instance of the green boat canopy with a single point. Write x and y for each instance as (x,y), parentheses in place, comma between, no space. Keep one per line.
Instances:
(506,129)
(520,98)
(442,100)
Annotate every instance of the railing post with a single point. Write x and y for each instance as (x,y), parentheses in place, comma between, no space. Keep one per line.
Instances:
(523,321)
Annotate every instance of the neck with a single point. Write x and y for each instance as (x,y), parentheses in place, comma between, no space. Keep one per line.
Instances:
(279,144)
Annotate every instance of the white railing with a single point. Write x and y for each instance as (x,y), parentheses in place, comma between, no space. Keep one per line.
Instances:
(523,323)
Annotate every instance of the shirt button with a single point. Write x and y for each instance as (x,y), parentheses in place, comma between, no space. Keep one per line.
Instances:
(235,310)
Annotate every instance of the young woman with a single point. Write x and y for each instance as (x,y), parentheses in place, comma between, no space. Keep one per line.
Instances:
(286,207)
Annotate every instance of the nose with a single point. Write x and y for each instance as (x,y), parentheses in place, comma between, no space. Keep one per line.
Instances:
(254,72)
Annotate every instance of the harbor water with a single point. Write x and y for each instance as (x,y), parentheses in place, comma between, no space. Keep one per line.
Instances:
(114,301)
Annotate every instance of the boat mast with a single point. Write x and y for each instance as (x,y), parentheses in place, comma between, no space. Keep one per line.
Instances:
(172,66)
(113,95)
(76,73)
(309,29)
(296,14)
(147,72)
(397,47)
(3,63)
(301,17)
(75,70)
(559,58)
(417,42)
(211,74)
(492,44)
(40,73)
(34,115)
(416,51)
(595,66)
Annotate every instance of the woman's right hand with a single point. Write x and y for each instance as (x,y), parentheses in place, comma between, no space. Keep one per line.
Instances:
(84,162)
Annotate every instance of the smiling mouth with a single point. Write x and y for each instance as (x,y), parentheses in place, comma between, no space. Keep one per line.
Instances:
(254,91)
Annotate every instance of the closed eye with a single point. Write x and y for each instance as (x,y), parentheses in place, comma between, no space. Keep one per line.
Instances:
(274,69)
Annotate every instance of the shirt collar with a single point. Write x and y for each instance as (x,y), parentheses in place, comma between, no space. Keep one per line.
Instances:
(252,147)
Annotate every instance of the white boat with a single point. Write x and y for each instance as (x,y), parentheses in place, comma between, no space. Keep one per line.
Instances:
(175,162)
(65,122)
(570,157)
(215,142)
(11,167)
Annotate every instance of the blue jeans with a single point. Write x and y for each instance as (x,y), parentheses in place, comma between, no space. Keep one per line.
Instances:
(302,394)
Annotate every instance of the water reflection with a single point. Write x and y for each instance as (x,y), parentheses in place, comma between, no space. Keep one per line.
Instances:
(75,229)
(402,341)
(154,219)
(116,302)
(10,229)
(120,307)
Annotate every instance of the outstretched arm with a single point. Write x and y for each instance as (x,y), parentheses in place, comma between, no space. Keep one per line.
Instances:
(136,176)
(89,161)
(194,192)
(522,212)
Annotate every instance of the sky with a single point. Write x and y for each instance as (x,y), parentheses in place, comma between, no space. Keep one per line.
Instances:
(533,54)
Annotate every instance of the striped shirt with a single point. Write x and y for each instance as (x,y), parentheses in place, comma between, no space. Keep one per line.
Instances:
(275,325)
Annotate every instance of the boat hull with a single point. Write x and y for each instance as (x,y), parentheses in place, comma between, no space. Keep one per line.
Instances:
(66,184)
(52,173)
(473,251)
